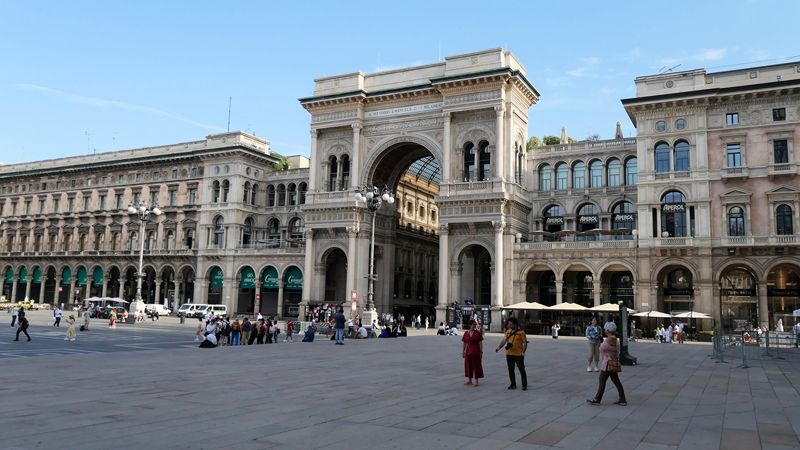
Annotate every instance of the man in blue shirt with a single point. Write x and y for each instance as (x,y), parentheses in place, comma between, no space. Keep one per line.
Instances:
(339,325)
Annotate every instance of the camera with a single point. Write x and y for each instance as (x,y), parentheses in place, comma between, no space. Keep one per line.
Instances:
(509,345)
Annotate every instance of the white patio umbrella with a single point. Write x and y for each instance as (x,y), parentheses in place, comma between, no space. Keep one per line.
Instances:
(657,314)
(609,307)
(693,315)
(528,306)
(117,300)
(566,306)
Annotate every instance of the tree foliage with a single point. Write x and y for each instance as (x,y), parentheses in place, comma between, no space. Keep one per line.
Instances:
(551,140)
(282,164)
(533,142)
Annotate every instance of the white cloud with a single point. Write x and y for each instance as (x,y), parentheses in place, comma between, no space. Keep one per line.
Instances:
(579,72)
(104,103)
(712,54)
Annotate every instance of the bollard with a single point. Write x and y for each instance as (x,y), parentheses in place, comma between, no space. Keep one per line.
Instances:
(766,343)
(744,356)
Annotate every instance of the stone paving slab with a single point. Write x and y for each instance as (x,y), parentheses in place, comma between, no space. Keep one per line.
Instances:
(393,393)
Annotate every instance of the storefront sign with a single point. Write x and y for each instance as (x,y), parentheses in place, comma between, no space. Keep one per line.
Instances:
(588,219)
(37,275)
(270,278)
(216,277)
(673,207)
(248,280)
(294,279)
(81,276)
(624,218)
(679,291)
(97,276)
(23,275)
(66,275)
(783,292)
(739,292)
(554,221)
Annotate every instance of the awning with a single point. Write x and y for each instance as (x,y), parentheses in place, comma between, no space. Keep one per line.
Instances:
(23,275)
(216,277)
(97,276)
(527,306)
(66,275)
(293,279)
(81,276)
(270,278)
(37,275)
(248,280)
(566,306)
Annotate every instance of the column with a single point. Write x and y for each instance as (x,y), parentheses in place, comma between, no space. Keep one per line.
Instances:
(28,285)
(339,174)
(280,297)
(499,157)
(325,174)
(88,292)
(455,282)
(312,171)
(157,300)
(257,303)
(41,291)
(71,298)
(14,288)
(444,260)
(499,262)
(596,285)
(352,257)
(308,269)
(178,287)
(355,159)
(121,288)
(104,293)
(476,159)
(446,168)
(763,306)
(559,291)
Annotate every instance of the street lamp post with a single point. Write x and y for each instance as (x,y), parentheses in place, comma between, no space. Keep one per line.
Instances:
(144,212)
(372,197)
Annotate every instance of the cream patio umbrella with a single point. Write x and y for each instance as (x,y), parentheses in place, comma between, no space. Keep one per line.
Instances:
(609,307)
(657,314)
(566,306)
(693,315)
(527,306)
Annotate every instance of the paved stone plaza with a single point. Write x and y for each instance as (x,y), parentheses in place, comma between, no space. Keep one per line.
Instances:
(111,390)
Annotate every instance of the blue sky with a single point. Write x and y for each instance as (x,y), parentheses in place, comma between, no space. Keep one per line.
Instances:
(82,76)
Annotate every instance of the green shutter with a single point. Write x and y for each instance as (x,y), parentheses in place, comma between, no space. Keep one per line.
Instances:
(9,275)
(23,275)
(248,279)
(81,276)
(66,274)
(294,279)
(97,276)
(216,277)
(37,275)
(270,278)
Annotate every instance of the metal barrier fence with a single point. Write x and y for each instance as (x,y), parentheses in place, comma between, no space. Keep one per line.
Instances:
(749,346)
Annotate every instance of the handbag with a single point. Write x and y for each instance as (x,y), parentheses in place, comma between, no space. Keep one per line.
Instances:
(613,366)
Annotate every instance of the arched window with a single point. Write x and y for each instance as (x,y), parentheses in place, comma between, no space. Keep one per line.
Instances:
(545,178)
(333,173)
(281,195)
(588,218)
(301,193)
(273,230)
(292,194)
(662,157)
(614,172)
(553,218)
(246,192)
(623,216)
(247,232)
(681,156)
(631,172)
(579,175)
(561,176)
(345,173)
(219,232)
(783,220)
(673,214)
(270,195)
(469,161)
(253,196)
(296,228)
(133,241)
(226,188)
(735,221)
(215,192)
(679,283)
(596,174)
(485,161)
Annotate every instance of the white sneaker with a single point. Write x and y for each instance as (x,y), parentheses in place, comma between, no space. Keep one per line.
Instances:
(73,340)
(589,369)
(66,339)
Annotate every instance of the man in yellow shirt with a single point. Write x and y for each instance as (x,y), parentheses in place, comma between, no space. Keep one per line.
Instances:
(515,343)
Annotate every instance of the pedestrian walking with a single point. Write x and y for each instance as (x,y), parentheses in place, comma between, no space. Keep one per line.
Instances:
(14,311)
(609,366)
(112,319)
(594,334)
(472,352)
(339,325)
(70,329)
(198,332)
(516,343)
(87,315)
(57,314)
(289,331)
(246,327)
(22,325)
(554,330)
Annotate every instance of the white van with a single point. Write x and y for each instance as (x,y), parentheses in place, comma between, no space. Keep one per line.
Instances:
(162,310)
(192,310)
(213,310)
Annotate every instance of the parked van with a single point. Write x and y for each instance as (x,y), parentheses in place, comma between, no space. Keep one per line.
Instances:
(192,310)
(161,309)
(213,310)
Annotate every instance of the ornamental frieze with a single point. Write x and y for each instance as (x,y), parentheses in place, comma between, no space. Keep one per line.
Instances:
(332,116)
(471,98)
(419,124)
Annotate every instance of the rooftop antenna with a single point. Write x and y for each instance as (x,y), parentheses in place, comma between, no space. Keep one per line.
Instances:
(665,69)
(229,114)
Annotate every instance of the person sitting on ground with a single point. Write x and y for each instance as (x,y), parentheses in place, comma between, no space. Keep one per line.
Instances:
(441,331)
(401,331)
(385,333)
(309,336)
(362,333)
(210,341)
(453,331)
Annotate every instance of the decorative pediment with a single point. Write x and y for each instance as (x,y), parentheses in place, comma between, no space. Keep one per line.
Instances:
(783,193)
(784,189)
(737,192)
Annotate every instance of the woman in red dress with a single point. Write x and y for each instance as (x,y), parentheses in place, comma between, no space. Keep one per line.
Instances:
(472,353)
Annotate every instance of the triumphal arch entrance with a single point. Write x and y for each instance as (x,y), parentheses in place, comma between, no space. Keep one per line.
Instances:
(448,140)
